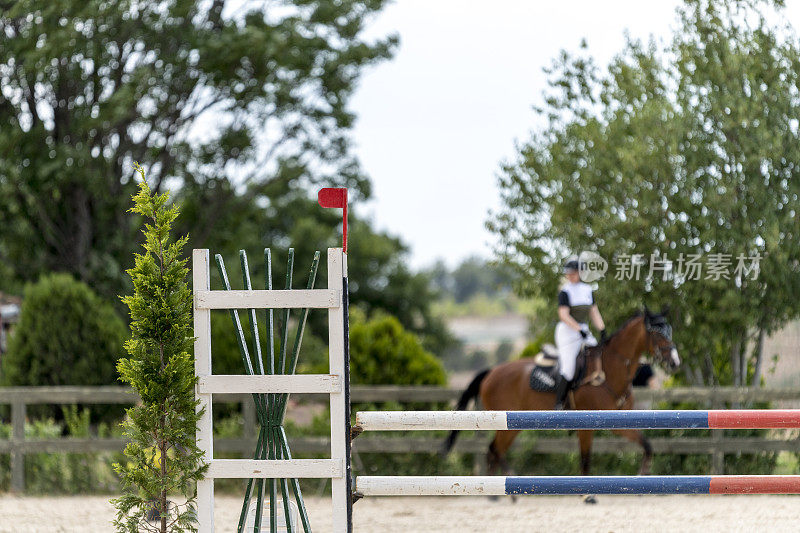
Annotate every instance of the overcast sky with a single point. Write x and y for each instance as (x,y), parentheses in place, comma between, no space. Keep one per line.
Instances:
(436,121)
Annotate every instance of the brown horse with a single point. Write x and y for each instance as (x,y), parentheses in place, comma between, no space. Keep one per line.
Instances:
(611,367)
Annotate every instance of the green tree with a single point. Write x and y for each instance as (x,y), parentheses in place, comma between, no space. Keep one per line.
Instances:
(162,455)
(66,335)
(119,81)
(227,105)
(673,151)
(380,279)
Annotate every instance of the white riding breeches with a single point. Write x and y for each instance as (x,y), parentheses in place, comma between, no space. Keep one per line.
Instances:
(568,342)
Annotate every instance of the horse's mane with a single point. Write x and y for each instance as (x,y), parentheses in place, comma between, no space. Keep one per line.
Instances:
(636,315)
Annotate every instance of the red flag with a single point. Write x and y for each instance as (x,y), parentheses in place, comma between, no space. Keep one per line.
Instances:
(331,197)
(336,198)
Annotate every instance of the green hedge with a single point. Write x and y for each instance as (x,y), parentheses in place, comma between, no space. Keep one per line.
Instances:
(66,335)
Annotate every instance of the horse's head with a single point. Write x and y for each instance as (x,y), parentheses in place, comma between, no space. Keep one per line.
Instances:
(659,338)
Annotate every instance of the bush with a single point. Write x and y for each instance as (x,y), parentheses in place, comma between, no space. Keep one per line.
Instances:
(66,335)
(383,353)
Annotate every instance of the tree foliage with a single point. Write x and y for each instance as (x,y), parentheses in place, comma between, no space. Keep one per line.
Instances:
(380,279)
(224,104)
(239,112)
(690,148)
(162,456)
(66,335)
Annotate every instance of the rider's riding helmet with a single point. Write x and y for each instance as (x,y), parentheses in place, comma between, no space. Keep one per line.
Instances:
(572,264)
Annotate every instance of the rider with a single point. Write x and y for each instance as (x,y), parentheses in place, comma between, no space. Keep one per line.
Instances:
(576,306)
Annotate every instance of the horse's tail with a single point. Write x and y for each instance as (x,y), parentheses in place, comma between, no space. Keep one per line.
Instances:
(469,393)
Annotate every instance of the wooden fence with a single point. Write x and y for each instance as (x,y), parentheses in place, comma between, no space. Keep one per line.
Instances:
(716,445)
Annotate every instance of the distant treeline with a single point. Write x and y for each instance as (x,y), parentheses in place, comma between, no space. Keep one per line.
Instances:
(471,277)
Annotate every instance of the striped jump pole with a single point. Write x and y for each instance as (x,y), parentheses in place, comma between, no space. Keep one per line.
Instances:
(555,485)
(503,420)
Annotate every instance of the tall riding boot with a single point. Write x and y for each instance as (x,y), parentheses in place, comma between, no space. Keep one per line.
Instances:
(561,393)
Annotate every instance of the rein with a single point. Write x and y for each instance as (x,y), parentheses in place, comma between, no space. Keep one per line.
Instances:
(598,378)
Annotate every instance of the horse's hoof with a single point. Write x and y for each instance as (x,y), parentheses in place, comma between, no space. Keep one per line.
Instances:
(589,498)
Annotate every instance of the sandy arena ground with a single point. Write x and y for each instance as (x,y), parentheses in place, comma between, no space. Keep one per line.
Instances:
(461,514)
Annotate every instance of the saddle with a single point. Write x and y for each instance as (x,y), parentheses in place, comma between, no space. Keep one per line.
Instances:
(545,376)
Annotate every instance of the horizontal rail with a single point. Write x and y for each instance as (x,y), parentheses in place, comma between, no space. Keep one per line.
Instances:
(431,445)
(503,420)
(68,394)
(561,445)
(266,468)
(382,393)
(275,299)
(706,395)
(295,383)
(502,485)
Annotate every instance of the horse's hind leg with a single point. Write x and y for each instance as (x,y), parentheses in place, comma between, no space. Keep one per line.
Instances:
(634,435)
(496,456)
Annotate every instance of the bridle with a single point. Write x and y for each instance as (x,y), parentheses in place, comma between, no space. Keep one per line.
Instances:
(658,326)
(654,326)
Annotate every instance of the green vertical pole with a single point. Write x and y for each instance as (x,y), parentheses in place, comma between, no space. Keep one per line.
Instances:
(270,408)
(271,398)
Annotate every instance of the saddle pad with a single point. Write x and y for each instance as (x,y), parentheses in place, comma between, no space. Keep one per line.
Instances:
(545,375)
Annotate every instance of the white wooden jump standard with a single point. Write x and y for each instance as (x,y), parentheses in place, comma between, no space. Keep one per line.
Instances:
(276,299)
(332,384)
(276,383)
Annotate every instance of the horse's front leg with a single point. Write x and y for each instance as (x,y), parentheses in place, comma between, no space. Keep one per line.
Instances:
(585,438)
(634,435)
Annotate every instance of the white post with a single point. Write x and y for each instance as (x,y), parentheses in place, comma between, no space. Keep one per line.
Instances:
(202,368)
(337,270)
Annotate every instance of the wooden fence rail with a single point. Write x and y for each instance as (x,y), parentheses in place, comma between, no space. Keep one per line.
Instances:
(717,445)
